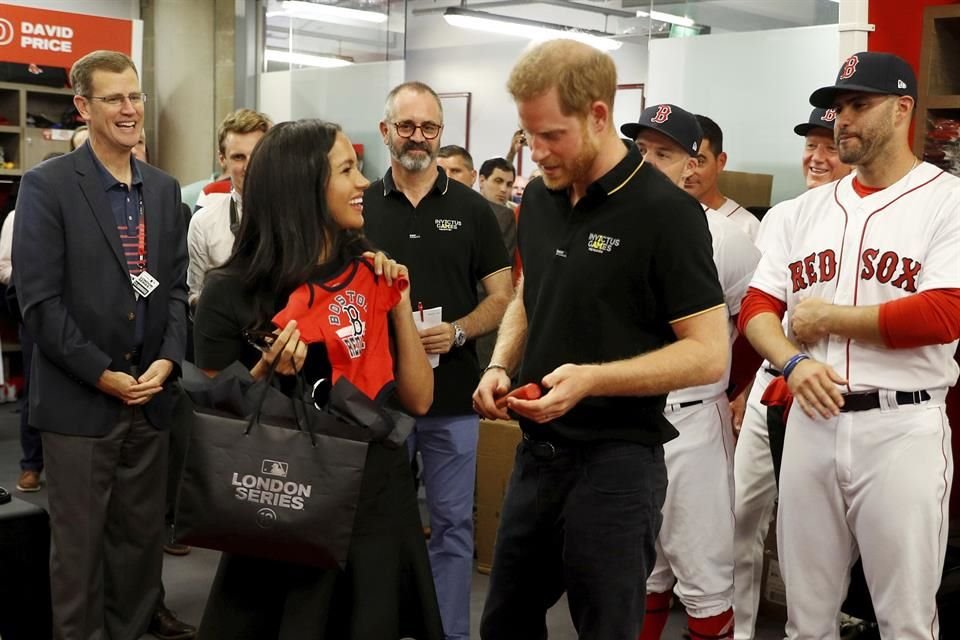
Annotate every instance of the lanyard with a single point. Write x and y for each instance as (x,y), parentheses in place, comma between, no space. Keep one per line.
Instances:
(141,237)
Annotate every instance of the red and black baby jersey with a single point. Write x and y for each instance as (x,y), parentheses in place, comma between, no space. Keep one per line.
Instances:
(348,313)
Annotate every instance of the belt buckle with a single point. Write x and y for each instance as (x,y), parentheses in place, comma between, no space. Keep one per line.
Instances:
(541,449)
(544,450)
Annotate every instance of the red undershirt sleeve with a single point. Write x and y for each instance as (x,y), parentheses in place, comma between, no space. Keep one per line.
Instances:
(929,317)
(757,302)
(745,362)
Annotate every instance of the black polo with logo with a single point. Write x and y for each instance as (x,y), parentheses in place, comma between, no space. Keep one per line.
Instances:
(603,281)
(450,241)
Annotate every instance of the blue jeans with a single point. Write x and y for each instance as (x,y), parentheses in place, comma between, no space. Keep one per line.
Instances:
(582,520)
(448,446)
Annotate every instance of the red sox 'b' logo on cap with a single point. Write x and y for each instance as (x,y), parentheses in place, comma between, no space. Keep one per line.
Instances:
(663,113)
(849,67)
(830,115)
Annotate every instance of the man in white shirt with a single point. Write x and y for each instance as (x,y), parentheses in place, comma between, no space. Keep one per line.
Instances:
(698,568)
(702,184)
(212,228)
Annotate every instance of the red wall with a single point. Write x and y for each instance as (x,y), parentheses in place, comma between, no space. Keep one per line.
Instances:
(899,29)
(899,26)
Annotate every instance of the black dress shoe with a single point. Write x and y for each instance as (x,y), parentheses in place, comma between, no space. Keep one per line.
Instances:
(165,626)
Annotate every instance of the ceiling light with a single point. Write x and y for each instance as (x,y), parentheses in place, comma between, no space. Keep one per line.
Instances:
(324,12)
(682,21)
(532,29)
(306,59)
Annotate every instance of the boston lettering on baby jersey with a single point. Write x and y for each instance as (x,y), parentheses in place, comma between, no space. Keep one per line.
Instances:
(346,310)
(886,267)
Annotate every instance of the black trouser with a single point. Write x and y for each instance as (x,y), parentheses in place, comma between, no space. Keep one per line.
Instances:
(777,431)
(584,521)
(31,443)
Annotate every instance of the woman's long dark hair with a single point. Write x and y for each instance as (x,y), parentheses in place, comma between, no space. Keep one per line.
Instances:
(287,237)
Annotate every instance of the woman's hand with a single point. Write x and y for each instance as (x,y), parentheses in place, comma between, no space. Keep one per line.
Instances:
(288,347)
(387,267)
(392,271)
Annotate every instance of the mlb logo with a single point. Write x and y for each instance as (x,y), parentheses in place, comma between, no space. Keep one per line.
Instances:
(274,468)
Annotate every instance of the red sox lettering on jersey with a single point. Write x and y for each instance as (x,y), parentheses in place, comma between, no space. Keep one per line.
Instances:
(863,251)
(886,267)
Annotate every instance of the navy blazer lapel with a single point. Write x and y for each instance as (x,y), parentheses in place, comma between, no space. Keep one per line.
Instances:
(92,188)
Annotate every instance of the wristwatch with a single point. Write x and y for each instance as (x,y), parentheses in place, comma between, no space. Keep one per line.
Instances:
(459,337)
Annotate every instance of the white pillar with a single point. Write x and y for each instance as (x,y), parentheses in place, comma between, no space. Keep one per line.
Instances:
(854,27)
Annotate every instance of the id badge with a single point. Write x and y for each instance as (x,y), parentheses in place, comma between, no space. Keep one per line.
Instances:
(144,284)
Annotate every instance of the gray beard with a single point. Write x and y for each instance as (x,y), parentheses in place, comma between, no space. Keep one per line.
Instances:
(413,164)
(410,162)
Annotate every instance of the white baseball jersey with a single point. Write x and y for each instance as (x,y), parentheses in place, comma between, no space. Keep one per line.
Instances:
(736,258)
(740,216)
(858,251)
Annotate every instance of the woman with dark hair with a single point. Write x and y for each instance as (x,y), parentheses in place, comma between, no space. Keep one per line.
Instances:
(301,225)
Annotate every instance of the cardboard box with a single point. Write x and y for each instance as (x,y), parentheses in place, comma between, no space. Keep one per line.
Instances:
(495,453)
(749,189)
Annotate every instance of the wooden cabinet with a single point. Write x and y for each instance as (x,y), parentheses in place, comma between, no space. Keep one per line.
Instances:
(939,77)
(25,112)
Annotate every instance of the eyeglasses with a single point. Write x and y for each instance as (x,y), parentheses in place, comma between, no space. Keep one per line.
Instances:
(430,130)
(116,100)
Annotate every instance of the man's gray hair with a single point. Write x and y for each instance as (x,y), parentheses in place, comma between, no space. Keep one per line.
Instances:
(416,87)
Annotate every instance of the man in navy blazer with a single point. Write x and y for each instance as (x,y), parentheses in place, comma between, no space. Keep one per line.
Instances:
(100,249)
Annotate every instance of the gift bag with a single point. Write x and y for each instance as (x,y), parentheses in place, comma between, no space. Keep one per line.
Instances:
(265,475)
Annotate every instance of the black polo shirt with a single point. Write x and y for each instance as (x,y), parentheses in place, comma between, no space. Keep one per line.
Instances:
(450,241)
(602,282)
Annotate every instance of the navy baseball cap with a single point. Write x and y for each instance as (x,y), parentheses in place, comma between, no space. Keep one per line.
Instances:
(679,125)
(819,119)
(870,72)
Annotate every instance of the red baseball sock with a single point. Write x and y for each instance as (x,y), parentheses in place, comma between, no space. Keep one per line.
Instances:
(718,627)
(655,619)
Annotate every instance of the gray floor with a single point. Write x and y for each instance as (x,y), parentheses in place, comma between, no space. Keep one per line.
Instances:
(187,578)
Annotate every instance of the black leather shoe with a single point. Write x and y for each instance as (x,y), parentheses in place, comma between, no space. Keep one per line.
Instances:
(165,626)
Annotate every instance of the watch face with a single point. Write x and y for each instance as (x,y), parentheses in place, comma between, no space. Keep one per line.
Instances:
(459,337)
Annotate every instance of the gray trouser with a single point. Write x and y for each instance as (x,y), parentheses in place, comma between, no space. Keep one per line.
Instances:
(106,500)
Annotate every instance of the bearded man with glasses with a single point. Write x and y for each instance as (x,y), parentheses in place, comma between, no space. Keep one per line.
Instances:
(449,239)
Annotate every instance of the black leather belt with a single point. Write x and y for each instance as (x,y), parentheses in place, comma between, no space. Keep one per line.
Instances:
(543,449)
(871,400)
(773,372)
(691,403)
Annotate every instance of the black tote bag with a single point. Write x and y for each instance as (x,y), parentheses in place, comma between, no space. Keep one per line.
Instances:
(281,483)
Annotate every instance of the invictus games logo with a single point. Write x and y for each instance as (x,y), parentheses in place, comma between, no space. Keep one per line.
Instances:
(266,518)
(598,243)
(346,311)
(448,225)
